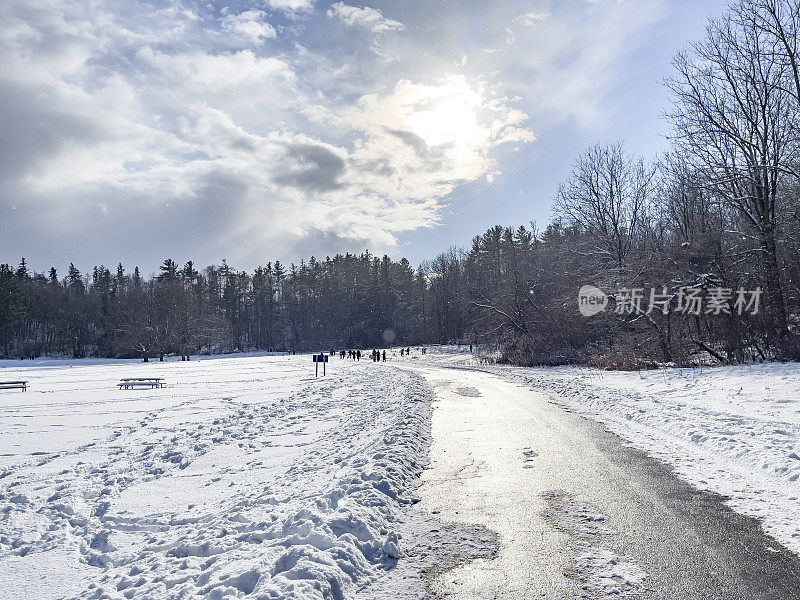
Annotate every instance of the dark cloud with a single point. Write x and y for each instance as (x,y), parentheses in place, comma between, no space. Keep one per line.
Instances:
(320,244)
(382,167)
(433,156)
(412,139)
(121,227)
(311,167)
(33,129)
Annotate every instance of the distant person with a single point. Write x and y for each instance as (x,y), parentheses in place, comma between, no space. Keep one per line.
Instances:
(384,356)
(470,347)
(402,351)
(358,354)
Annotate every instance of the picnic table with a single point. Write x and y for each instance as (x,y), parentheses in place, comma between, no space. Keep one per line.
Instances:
(14,385)
(129,383)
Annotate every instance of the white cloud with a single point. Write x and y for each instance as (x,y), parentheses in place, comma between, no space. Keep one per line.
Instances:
(226,72)
(250,25)
(292,6)
(433,136)
(370,19)
(564,59)
(532,18)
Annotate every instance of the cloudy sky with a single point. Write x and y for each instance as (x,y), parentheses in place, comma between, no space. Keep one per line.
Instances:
(262,129)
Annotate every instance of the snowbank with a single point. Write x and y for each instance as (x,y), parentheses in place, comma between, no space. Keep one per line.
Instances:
(245,478)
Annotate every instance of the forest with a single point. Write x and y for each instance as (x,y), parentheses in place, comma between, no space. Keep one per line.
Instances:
(715,215)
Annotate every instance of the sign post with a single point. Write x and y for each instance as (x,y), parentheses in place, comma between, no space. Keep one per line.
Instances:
(320,358)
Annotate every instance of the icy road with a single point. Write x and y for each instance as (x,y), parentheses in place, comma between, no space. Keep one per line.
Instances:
(580,515)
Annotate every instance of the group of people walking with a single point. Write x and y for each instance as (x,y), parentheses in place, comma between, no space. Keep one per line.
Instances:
(375,355)
(407,351)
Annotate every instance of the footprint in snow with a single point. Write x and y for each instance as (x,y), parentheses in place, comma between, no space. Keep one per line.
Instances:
(528,456)
(469,392)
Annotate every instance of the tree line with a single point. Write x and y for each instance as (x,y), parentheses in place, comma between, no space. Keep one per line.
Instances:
(347,300)
(696,250)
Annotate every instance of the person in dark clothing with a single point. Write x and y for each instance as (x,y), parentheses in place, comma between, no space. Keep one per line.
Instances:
(358,354)
(384,356)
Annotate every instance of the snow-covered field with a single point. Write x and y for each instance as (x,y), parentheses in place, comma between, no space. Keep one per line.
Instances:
(245,476)
(730,430)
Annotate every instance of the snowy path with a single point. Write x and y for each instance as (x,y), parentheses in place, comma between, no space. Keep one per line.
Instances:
(578,513)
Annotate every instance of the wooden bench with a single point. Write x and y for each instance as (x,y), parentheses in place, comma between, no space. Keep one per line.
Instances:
(14,385)
(130,383)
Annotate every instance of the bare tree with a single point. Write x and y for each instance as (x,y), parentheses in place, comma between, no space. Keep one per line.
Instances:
(779,20)
(734,120)
(606,195)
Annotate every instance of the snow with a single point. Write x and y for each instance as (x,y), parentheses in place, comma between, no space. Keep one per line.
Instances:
(734,430)
(598,566)
(247,477)
(244,477)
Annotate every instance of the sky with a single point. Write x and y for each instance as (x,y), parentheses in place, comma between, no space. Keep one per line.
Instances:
(279,129)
